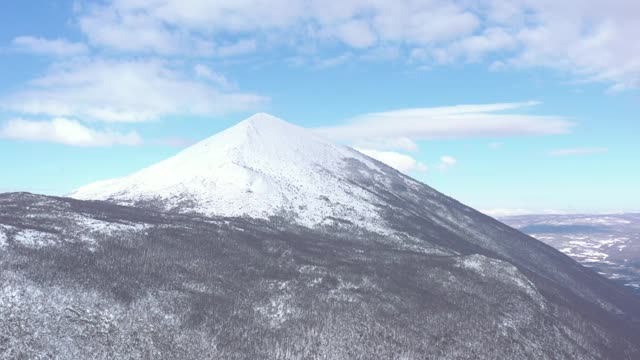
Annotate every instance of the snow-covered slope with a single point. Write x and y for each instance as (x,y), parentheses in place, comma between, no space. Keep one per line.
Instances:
(94,280)
(260,167)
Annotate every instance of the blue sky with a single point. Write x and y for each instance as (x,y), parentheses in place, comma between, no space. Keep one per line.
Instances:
(529,106)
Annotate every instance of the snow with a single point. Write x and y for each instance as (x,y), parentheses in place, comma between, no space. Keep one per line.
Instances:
(107,227)
(277,309)
(473,263)
(83,230)
(589,250)
(586,248)
(501,270)
(89,227)
(34,238)
(3,238)
(261,167)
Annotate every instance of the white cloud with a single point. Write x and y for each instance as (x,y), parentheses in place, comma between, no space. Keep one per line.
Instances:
(57,47)
(357,33)
(502,212)
(186,26)
(114,28)
(124,91)
(382,54)
(422,22)
(447,162)
(578,151)
(460,121)
(475,47)
(399,143)
(505,212)
(398,161)
(333,61)
(239,48)
(206,72)
(65,131)
(589,39)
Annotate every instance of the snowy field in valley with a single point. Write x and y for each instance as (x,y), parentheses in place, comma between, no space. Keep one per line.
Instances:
(609,244)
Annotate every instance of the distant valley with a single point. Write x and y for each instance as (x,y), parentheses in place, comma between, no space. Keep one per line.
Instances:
(609,244)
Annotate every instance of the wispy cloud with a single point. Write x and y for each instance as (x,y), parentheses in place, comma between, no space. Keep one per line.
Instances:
(333,61)
(399,143)
(127,91)
(240,47)
(205,72)
(356,33)
(505,212)
(42,46)
(588,41)
(401,162)
(462,121)
(65,131)
(447,162)
(578,151)
(180,26)
(502,212)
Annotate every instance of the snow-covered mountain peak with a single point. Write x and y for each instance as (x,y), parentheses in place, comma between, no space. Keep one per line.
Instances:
(261,125)
(265,119)
(260,167)
(265,126)
(266,144)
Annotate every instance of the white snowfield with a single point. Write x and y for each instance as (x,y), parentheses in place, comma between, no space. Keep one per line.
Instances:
(262,166)
(3,236)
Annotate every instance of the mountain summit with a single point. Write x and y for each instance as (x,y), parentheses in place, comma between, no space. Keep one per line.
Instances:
(262,166)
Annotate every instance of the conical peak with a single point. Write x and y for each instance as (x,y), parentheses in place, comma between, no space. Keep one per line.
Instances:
(266,129)
(262,117)
(263,120)
(259,167)
(264,139)
(258,126)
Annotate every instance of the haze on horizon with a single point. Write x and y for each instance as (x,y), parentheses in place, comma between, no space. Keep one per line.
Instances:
(519,108)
